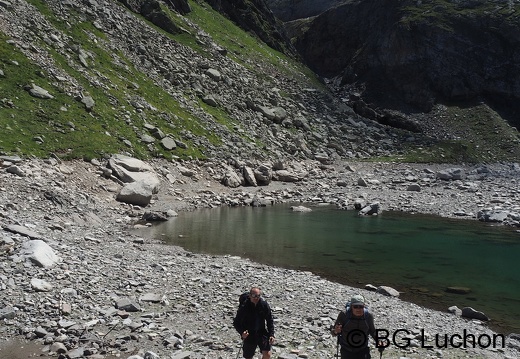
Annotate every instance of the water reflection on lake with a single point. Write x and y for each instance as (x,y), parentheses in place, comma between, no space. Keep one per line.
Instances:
(418,255)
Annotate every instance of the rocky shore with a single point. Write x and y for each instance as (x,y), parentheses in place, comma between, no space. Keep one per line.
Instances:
(100,290)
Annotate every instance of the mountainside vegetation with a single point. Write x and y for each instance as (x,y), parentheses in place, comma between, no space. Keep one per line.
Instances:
(71,56)
(175,79)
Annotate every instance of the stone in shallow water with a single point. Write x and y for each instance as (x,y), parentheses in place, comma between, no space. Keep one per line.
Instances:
(471,313)
(458,290)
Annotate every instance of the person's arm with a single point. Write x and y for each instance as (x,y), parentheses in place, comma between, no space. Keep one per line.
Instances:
(238,322)
(269,320)
(372,330)
(371,326)
(338,325)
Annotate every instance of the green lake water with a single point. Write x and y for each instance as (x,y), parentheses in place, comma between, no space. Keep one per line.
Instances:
(418,255)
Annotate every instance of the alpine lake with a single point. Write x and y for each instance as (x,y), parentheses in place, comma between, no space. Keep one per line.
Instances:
(421,256)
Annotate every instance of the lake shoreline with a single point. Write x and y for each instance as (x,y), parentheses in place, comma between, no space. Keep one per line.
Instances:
(214,232)
(72,207)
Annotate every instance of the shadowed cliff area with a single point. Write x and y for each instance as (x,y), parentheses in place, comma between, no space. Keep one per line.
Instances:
(419,53)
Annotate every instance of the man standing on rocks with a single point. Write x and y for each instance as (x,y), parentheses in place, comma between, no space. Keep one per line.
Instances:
(353,326)
(254,322)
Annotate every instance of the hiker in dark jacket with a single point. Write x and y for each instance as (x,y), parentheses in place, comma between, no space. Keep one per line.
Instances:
(353,326)
(250,322)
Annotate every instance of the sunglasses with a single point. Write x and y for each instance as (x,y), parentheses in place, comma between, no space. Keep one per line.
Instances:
(358,306)
(254,295)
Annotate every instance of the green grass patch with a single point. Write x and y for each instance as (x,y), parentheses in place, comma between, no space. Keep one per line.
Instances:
(127,101)
(58,121)
(63,126)
(480,135)
(445,151)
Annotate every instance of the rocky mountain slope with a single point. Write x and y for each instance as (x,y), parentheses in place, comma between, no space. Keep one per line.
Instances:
(413,55)
(96,77)
(179,80)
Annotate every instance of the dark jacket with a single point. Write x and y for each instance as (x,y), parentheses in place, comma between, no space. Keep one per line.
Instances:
(355,331)
(254,318)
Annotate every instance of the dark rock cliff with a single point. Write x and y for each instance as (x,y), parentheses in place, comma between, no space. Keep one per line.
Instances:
(152,11)
(419,52)
(181,6)
(256,17)
(289,10)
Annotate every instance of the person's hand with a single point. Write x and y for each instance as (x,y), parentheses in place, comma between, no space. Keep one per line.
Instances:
(380,346)
(337,329)
(271,340)
(245,334)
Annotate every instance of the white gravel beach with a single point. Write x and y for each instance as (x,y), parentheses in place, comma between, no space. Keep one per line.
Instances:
(111,293)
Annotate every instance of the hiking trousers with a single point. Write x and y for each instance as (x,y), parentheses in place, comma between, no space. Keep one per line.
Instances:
(362,354)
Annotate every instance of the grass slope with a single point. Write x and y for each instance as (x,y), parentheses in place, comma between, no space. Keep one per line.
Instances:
(127,101)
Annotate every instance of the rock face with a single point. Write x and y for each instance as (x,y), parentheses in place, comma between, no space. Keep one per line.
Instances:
(152,11)
(421,51)
(256,17)
(288,10)
(181,6)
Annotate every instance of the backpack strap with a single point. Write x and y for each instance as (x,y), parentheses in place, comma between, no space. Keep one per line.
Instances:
(348,313)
